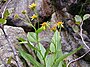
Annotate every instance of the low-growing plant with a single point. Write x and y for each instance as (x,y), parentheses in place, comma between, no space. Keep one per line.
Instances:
(50,57)
(47,57)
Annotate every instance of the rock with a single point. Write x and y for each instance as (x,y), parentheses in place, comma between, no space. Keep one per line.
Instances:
(84,64)
(46,37)
(5,50)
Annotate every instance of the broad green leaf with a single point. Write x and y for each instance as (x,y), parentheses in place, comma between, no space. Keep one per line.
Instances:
(52,47)
(55,45)
(29,58)
(43,50)
(58,54)
(41,54)
(78,18)
(61,58)
(32,37)
(55,42)
(86,16)
(3,21)
(50,60)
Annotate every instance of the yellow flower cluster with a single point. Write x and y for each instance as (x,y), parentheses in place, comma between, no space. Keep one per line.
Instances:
(58,24)
(34,16)
(32,6)
(54,28)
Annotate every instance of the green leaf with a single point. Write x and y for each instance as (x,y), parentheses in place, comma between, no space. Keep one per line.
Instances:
(21,39)
(61,58)
(29,58)
(47,52)
(31,46)
(23,42)
(86,16)
(39,30)
(76,28)
(78,18)
(41,54)
(42,49)
(3,21)
(60,64)
(6,14)
(55,46)
(32,37)
(40,57)
(49,60)
(52,47)
(55,42)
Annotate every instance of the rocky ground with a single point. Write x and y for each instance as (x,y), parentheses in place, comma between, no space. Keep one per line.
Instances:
(47,12)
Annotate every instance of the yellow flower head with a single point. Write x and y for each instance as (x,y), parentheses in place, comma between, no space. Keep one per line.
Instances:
(53,28)
(60,24)
(24,12)
(32,6)
(34,16)
(44,24)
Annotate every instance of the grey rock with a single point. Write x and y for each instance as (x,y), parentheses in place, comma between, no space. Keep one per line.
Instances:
(5,50)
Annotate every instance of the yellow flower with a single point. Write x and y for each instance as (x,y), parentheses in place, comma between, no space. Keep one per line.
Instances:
(60,24)
(44,25)
(34,16)
(24,12)
(32,6)
(53,28)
